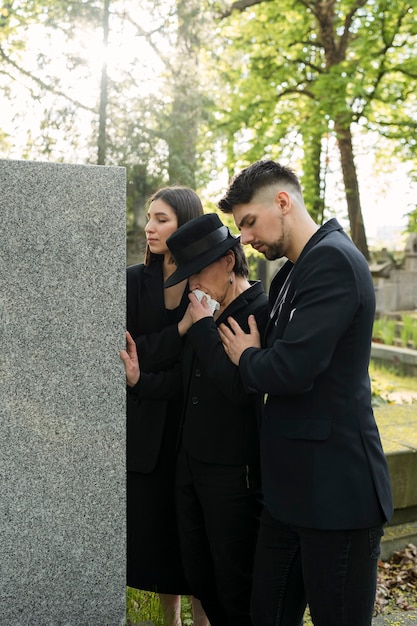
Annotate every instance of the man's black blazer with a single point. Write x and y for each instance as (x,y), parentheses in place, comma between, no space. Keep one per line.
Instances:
(322,461)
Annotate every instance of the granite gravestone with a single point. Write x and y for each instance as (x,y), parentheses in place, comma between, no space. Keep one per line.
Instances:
(62,409)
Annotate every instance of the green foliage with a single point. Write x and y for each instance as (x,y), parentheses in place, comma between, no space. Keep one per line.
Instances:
(412,221)
(144,605)
(391,331)
(408,330)
(384,329)
(141,606)
(313,178)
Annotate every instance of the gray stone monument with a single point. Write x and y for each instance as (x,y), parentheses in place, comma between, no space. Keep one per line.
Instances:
(62,402)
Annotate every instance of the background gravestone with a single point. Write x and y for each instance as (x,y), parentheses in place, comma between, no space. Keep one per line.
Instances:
(62,395)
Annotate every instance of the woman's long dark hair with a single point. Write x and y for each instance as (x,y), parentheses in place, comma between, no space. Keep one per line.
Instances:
(183,201)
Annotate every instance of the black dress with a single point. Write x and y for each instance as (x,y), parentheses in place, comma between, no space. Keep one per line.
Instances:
(153,554)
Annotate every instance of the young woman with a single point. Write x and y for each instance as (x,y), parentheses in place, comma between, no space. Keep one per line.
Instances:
(153,316)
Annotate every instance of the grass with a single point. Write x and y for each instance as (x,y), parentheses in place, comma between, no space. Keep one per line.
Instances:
(144,605)
(141,606)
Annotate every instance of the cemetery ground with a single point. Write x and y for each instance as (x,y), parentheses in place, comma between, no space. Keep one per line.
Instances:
(395,604)
(396,597)
(388,386)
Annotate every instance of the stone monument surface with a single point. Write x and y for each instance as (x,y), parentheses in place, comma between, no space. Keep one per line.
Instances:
(62,395)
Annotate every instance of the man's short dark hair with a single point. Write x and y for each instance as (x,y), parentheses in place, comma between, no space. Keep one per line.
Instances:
(260,174)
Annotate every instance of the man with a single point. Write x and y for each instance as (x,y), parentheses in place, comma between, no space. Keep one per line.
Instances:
(325,477)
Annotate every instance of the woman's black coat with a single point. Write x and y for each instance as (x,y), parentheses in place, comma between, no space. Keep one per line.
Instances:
(159,346)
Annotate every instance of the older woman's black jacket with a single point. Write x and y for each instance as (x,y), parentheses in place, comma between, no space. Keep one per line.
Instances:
(220,420)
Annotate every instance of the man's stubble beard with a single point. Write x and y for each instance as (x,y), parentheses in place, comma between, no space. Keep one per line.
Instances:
(276,250)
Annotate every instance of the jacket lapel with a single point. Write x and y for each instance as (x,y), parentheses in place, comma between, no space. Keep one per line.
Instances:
(279,319)
(275,291)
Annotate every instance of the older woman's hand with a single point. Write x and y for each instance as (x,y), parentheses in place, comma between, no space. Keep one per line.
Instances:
(195,311)
(131,361)
(198,309)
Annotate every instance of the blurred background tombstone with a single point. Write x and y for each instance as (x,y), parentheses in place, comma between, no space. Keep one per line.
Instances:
(62,408)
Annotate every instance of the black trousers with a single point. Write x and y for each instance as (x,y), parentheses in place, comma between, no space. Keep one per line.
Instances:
(334,571)
(218,510)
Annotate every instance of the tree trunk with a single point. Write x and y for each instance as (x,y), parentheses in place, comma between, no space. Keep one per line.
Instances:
(350,179)
(313,185)
(102,131)
(182,140)
(182,134)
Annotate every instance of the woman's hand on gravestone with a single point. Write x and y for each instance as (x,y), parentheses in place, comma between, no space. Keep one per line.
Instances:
(131,361)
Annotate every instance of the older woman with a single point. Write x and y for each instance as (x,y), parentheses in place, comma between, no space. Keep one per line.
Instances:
(217,483)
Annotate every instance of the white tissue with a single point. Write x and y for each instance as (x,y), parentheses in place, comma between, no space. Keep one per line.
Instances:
(213,304)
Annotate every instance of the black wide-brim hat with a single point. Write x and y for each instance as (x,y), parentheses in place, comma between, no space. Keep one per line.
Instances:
(198,243)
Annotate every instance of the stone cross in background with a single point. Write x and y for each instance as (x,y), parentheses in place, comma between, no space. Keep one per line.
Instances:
(62,395)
